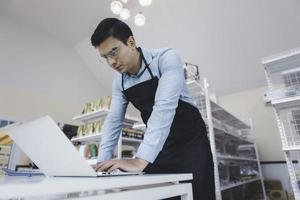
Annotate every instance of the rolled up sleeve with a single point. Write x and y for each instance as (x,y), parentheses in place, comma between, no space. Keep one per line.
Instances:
(113,122)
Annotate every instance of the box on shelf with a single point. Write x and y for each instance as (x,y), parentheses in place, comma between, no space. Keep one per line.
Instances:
(3,160)
(220,149)
(191,72)
(5,139)
(246,151)
(132,133)
(103,103)
(128,151)
(231,148)
(223,173)
(90,128)
(5,149)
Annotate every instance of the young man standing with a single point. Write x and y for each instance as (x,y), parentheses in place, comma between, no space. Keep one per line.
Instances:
(175,140)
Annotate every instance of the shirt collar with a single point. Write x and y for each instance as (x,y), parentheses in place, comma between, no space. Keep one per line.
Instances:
(148,57)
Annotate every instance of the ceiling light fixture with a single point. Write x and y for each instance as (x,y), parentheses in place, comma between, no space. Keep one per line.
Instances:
(145,2)
(116,7)
(124,14)
(140,19)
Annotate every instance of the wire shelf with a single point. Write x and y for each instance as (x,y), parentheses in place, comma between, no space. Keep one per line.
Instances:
(290,119)
(282,61)
(282,72)
(221,114)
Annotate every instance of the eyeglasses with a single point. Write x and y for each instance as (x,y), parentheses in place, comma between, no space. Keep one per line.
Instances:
(112,54)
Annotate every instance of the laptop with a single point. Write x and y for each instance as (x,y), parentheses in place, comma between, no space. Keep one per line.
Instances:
(49,148)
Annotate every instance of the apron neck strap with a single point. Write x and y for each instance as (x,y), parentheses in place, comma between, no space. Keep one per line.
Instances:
(144,60)
(146,66)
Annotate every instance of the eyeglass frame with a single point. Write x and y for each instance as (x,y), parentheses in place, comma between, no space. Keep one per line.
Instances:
(112,54)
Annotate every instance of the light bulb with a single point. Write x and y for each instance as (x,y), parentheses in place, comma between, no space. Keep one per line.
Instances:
(124,14)
(145,2)
(116,7)
(140,19)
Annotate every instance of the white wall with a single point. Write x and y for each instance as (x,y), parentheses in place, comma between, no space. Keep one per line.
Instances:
(249,104)
(277,171)
(23,105)
(40,75)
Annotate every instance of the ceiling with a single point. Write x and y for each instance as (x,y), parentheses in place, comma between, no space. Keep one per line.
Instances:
(227,39)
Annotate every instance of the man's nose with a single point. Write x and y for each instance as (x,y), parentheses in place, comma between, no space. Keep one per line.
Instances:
(111,61)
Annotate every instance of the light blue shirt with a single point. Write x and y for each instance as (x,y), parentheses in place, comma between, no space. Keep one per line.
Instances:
(167,65)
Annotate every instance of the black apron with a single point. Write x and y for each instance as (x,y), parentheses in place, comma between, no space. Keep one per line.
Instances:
(186,149)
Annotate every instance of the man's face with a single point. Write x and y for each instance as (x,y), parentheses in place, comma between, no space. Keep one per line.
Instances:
(118,55)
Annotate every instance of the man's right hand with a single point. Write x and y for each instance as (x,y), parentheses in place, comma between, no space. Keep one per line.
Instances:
(128,165)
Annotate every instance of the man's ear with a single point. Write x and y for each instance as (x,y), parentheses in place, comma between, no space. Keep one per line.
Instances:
(131,42)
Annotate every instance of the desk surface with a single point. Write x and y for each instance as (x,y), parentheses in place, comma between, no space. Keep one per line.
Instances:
(41,185)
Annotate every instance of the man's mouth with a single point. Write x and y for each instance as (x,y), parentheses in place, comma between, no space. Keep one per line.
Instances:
(118,67)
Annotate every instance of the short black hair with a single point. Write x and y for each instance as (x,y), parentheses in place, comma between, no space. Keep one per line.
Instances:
(111,27)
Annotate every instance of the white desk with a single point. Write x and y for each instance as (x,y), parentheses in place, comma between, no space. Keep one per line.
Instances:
(143,187)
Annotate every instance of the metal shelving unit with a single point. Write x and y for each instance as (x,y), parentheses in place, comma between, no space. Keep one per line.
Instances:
(282,72)
(233,148)
(96,137)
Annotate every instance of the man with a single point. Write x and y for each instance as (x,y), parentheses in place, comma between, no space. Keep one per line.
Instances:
(175,140)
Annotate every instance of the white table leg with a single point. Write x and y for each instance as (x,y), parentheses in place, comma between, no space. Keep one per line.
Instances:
(189,192)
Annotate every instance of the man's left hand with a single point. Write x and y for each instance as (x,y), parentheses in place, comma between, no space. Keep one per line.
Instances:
(128,165)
